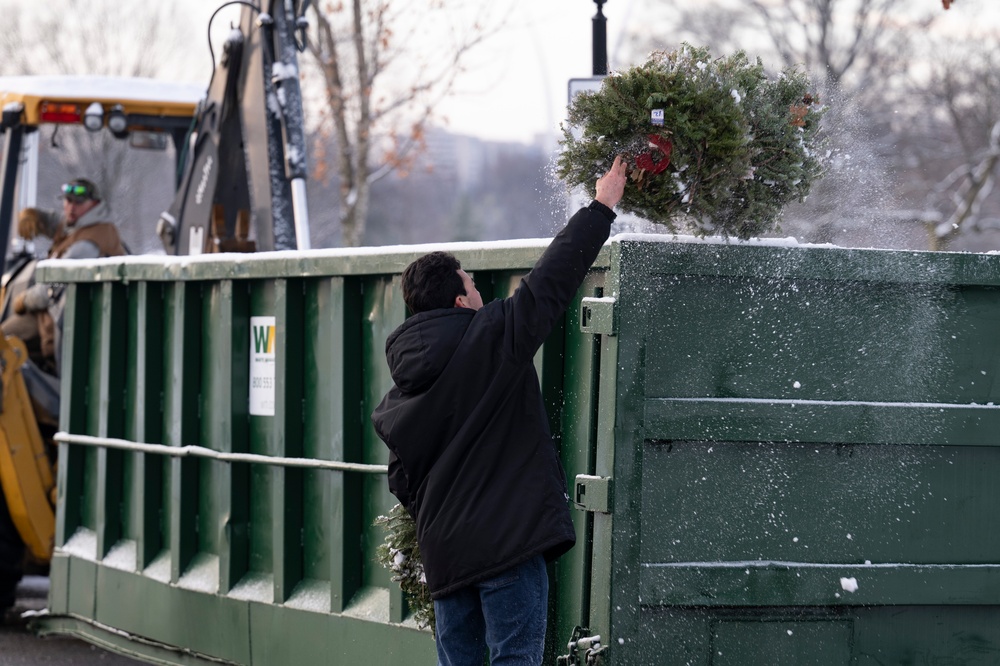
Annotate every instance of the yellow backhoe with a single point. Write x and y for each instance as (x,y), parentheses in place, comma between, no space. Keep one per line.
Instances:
(147,115)
(235,183)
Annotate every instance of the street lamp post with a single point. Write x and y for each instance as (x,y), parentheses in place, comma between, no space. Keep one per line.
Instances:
(600,35)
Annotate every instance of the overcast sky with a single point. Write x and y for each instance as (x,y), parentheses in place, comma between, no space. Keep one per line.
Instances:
(528,65)
(516,85)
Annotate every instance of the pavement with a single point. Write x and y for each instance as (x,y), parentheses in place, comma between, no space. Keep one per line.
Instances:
(20,647)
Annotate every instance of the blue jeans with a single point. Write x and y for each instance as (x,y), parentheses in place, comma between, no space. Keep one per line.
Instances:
(507,613)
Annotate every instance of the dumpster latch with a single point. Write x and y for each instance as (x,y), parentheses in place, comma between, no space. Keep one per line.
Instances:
(593,493)
(597,315)
(584,650)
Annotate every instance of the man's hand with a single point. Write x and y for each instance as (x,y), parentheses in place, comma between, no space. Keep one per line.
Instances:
(29,223)
(611,185)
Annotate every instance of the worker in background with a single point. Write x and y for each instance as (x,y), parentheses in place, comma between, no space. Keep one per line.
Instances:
(471,454)
(73,237)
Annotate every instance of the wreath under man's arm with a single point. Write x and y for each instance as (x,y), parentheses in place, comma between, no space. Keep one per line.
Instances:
(400,554)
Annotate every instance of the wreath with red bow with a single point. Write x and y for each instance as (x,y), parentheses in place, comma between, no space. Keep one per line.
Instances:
(714,145)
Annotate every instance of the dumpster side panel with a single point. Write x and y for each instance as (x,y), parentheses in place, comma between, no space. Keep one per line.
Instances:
(581,361)
(805,456)
(382,310)
(322,501)
(143,402)
(73,382)
(242,559)
(181,423)
(223,515)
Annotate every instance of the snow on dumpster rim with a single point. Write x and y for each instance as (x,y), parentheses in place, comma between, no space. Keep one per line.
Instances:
(459,247)
(420,248)
(319,253)
(789,241)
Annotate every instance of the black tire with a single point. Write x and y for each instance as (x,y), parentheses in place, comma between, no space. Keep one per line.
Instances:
(11,557)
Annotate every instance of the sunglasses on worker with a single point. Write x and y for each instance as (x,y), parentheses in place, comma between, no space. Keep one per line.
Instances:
(77,193)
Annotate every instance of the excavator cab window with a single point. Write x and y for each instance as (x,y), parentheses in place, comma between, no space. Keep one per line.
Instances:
(149,140)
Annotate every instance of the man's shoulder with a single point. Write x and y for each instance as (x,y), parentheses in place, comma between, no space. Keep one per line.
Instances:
(101,224)
(100,233)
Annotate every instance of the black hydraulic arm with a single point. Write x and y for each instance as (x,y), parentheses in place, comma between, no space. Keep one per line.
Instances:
(247,153)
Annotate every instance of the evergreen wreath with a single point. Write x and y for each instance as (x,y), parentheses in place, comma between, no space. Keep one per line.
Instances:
(400,554)
(711,143)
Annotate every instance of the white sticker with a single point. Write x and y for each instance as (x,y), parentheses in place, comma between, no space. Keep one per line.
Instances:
(196,240)
(262,341)
(656,116)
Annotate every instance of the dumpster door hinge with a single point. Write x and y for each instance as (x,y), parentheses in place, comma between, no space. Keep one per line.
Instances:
(593,493)
(584,650)
(597,315)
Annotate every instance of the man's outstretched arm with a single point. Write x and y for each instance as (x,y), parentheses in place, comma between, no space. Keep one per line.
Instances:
(545,293)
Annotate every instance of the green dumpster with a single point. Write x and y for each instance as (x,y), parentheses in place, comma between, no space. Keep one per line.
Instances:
(777,455)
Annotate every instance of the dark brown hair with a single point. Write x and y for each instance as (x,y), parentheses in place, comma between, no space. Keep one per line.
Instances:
(432,282)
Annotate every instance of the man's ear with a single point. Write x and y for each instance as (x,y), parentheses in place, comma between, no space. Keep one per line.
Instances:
(461,301)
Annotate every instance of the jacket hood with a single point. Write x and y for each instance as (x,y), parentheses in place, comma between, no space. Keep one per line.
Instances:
(418,351)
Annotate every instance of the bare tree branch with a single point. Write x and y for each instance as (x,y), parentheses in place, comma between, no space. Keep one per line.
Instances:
(380,85)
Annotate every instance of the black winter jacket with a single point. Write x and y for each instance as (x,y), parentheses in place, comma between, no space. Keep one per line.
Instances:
(471,455)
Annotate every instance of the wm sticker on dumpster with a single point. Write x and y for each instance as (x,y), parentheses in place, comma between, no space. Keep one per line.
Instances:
(262,342)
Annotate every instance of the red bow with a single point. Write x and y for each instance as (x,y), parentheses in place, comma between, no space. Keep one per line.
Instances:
(645,160)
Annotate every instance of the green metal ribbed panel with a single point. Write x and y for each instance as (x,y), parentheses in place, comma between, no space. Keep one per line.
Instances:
(240,562)
(773,420)
(805,447)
